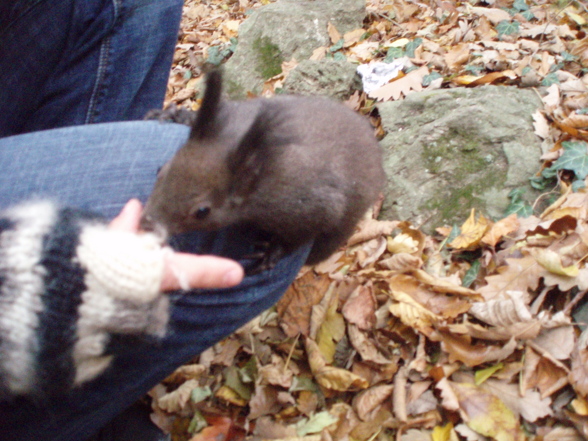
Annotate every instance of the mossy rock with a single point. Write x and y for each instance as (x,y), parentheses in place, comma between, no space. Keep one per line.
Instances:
(283,31)
(448,151)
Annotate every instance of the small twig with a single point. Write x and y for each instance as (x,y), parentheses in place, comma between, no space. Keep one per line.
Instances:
(568,309)
(291,352)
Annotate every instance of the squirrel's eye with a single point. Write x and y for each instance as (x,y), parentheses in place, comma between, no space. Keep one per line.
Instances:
(202,212)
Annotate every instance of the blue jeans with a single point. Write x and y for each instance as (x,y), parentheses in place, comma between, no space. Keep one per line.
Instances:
(71,62)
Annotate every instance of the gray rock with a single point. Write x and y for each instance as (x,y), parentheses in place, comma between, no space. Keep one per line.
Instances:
(336,79)
(282,31)
(447,151)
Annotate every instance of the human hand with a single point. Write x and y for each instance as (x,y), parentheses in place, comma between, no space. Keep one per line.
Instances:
(199,271)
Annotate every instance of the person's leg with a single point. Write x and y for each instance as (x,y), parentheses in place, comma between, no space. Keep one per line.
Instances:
(71,62)
(99,167)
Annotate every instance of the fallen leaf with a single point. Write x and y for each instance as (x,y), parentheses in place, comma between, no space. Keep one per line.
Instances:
(412,82)
(551,261)
(360,308)
(530,406)
(500,229)
(366,401)
(579,369)
(460,348)
(412,313)
(331,377)
(176,400)
(517,275)
(472,232)
(295,307)
(504,311)
(334,35)
(487,414)
(365,347)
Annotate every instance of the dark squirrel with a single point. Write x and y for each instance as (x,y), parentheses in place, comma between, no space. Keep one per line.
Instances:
(297,168)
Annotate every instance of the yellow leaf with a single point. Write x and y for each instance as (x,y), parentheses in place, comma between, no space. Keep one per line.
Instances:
(580,406)
(331,330)
(401,42)
(580,21)
(412,313)
(464,80)
(331,377)
(472,232)
(551,261)
(229,395)
(486,414)
(483,374)
(442,433)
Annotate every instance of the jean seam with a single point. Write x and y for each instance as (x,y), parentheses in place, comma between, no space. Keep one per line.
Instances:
(102,69)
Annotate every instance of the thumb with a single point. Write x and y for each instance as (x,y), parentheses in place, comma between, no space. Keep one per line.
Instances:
(129,217)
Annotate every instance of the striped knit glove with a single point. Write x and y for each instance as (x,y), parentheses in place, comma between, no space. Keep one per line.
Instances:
(67,283)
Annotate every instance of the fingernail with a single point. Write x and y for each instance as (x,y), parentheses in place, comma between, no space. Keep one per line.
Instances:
(233,277)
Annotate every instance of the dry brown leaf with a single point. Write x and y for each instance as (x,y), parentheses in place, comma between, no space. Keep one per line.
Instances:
(472,232)
(500,229)
(411,82)
(295,307)
(460,348)
(365,347)
(263,402)
(442,285)
(352,37)
(401,262)
(487,414)
(367,401)
(521,331)
(542,374)
(176,400)
(558,342)
(503,311)
(331,377)
(332,329)
(372,228)
(495,15)
(494,77)
(412,313)
(276,373)
(517,275)
(334,34)
(457,55)
(579,371)
(360,308)
(530,406)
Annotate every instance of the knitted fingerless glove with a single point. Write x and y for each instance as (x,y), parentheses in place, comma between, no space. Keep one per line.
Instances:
(67,284)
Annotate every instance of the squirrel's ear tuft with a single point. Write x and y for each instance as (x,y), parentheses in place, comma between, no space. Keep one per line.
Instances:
(204,126)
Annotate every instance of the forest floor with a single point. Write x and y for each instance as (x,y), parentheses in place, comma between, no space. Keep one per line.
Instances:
(471,333)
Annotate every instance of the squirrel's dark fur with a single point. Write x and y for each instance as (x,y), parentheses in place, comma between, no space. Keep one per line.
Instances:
(298,168)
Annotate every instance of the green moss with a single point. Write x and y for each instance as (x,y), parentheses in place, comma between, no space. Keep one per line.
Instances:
(268,58)
(470,178)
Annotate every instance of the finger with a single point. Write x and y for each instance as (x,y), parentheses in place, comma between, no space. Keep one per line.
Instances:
(129,217)
(183,269)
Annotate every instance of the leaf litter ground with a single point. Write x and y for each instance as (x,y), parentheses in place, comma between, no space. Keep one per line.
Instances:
(468,334)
